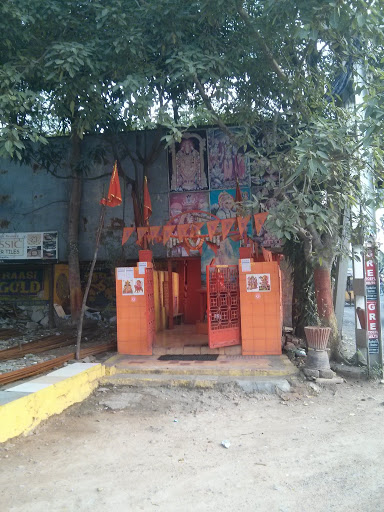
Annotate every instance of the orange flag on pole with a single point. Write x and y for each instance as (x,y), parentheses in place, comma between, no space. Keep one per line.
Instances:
(259,220)
(127,232)
(147,205)
(114,192)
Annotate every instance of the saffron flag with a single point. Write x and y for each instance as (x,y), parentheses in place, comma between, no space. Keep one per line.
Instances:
(226,225)
(212,226)
(182,230)
(141,233)
(259,220)
(212,246)
(155,233)
(147,205)
(242,223)
(127,232)
(167,232)
(114,192)
(196,226)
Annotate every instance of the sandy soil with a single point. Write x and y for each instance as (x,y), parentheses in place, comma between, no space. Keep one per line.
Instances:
(129,449)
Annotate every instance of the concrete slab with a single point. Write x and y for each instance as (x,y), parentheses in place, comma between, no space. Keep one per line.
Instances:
(29,387)
(9,396)
(72,369)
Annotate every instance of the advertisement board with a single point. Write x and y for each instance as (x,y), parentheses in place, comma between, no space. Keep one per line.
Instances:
(29,246)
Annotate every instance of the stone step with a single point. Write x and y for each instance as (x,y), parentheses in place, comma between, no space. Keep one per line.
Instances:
(247,384)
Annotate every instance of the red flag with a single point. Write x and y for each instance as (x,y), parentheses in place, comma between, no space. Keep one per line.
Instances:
(259,220)
(127,232)
(147,205)
(238,196)
(114,192)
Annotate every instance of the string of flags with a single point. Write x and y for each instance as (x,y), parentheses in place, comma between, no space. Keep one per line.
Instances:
(190,234)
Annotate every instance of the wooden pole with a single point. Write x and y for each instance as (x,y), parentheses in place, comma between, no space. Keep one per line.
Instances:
(80,322)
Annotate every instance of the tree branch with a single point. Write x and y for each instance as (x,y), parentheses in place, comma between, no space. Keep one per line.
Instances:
(248,22)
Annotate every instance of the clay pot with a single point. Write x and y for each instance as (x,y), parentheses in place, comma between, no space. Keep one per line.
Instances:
(317,337)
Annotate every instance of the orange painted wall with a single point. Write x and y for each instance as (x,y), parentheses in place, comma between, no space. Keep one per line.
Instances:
(261,319)
(134,336)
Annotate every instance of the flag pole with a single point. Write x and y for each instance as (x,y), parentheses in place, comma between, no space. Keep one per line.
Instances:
(86,292)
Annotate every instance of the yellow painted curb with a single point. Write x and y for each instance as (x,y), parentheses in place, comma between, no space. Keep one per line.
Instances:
(20,416)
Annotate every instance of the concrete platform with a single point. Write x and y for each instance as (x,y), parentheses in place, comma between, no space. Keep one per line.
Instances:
(251,373)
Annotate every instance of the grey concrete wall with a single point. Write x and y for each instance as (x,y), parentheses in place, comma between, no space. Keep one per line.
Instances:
(31,199)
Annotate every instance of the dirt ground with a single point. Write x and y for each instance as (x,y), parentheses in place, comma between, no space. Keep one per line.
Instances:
(127,449)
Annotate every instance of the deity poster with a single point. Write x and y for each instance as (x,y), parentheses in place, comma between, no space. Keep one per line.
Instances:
(133,286)
(226,162)
(223,202)
(181,206)
(187,163)
(258,282)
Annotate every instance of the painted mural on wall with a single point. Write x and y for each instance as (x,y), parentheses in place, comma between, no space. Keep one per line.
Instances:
(226,162)
(223,202)
(187,163)
(184,202)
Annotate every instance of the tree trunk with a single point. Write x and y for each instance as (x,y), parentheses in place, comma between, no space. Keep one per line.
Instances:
(73,232)
(324,300)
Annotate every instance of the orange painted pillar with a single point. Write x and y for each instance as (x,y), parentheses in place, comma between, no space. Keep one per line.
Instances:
(260,308)
(135,309)
(170,295)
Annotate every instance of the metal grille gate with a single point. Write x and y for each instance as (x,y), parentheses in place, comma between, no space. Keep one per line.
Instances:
(223,300)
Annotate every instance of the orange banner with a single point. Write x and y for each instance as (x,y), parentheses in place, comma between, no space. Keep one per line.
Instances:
(259,221)
(167,232)
(242,223)
(127,232)
(155,233)
(140,234)
(226,225)
(212,226)
(182,230)
(196,226)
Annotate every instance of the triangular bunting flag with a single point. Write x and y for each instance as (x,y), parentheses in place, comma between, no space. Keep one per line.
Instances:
(212,246)
(127,232)
(140,234)
(196,226)
(212,226)
(267,255)
(226,225)
(182,230)
(167,232)
(259,221)
(154,233)
(242,223)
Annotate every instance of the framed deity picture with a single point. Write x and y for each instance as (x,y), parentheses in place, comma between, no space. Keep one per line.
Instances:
(187,163)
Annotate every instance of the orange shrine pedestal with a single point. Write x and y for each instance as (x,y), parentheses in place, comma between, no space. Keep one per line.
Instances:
(135,309)
(260,308)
